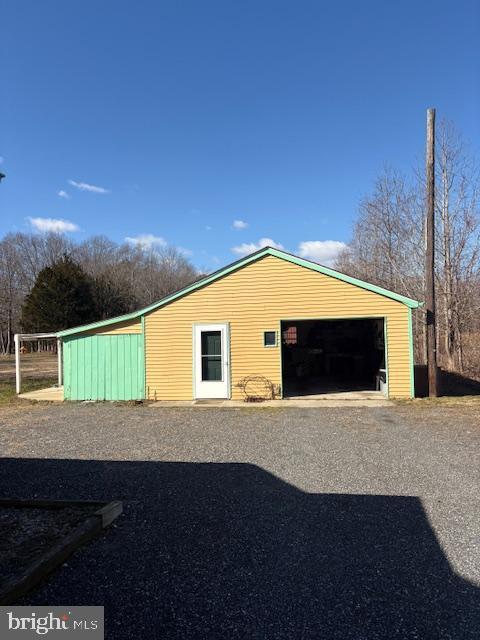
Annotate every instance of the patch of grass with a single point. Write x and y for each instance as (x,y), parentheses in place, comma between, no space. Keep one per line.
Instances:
(7,388)
(442,400)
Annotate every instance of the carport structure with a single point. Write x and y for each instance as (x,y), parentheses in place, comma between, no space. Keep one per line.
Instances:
(18,338)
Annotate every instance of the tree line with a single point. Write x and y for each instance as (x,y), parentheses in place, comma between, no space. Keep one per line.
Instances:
(388,248)
(48,282)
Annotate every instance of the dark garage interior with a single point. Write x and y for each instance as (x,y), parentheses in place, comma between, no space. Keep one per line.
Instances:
(333,356)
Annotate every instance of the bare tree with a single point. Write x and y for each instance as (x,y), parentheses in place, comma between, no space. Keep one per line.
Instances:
(458,241)
(140,275)
(9,295)
(124,277)
(384,247)
(387,248)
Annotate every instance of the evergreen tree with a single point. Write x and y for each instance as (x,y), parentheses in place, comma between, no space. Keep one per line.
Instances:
(60,298)
(109,299)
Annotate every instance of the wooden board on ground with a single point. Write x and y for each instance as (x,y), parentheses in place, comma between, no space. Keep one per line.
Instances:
(36,536)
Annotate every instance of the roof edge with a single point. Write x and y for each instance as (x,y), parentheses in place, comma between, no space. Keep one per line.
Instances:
(99,323)
(345,278)
(238,264)
(233,266)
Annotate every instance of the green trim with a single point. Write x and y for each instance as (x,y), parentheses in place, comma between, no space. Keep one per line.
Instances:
(142,367)
(234,266)
(385,340)
(281,356)
(101,323)
(411,354)
(144,359)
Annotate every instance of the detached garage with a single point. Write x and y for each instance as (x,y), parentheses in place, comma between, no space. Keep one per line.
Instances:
(271,321)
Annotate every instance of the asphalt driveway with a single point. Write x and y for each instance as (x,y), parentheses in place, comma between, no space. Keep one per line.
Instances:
(263,523)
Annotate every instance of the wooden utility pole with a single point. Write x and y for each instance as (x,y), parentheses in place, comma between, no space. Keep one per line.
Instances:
(430,257)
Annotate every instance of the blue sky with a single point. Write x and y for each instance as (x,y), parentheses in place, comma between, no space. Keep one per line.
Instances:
(190,115)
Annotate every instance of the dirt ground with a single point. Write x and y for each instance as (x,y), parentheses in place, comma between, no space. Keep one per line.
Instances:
(33,365)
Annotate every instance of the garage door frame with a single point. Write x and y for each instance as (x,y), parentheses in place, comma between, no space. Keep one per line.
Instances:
(321,318)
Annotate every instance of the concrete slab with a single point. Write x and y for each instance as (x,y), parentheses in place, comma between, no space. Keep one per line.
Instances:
(341,395)
(289,402)
(50,394)
(350,399)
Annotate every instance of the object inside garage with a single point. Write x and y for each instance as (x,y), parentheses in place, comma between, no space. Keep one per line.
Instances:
(333,356)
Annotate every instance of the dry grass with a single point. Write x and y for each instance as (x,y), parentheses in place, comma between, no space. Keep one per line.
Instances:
(33,365)
(457,401)
(7,389)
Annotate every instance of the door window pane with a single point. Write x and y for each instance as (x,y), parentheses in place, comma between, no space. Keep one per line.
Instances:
(211,368)
(211,342)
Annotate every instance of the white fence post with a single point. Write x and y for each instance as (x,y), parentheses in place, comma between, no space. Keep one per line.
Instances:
(59,356)
(18,373)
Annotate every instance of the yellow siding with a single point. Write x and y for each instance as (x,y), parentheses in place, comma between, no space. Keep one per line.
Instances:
(131,326)
(254,299)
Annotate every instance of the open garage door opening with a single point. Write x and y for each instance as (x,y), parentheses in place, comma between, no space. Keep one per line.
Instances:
(333,357)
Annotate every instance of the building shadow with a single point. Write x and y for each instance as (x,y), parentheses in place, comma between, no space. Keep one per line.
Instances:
(231,551)
(456,384)
(450,383)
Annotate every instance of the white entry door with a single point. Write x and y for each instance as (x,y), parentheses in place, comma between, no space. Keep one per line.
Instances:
(212,368)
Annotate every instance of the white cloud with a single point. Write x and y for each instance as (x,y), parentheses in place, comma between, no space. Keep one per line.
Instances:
(240,224)
(84,186)
(185,252)
(146,241)
(54,225)
(63,194)
(323,251)
(249,247)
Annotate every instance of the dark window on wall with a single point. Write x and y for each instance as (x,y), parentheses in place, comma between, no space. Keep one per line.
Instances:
(270,339)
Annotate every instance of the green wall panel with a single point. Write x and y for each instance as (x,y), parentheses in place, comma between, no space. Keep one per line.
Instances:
(101,367)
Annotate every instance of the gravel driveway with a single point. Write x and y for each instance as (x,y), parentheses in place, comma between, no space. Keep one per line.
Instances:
(263,523)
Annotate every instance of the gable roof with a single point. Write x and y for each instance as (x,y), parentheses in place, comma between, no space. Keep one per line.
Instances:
(234,266)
